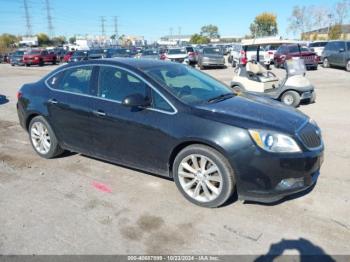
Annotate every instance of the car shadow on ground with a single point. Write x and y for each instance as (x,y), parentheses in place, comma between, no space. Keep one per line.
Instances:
(306,249)
(3,100)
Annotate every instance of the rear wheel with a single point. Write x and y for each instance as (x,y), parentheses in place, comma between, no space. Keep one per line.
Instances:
(276,64)
(43,139)
(325,63)
(291,98)
(41,63)
(203,176)
(54,62)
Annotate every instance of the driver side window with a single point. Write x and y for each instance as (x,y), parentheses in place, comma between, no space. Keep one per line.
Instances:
(116,84)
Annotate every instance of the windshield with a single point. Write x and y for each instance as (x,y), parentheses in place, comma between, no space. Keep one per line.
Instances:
(176,51)
(295,49)
(295,66)
(79,53)
(150,52)
(318,44)
(34,52)
(187,84)
(19,53)
(212,51)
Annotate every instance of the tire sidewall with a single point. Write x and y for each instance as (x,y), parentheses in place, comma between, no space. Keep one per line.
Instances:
(223,165)
(296,98)
(54,147)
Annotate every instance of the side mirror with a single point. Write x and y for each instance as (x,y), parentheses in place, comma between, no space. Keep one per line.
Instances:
(341,50)
(136,100)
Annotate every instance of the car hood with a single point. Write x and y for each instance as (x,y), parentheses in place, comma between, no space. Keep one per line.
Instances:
(253,111)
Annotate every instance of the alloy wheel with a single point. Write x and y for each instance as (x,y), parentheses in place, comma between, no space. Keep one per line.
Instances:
(200,178)
(288,99)
(40,138)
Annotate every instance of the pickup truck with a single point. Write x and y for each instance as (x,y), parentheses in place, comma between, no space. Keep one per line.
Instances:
(39,57)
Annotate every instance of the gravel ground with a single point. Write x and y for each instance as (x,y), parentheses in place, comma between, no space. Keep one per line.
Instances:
(53,207)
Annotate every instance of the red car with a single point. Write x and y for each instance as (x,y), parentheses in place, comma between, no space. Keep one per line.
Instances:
(67,56)
(286,52)
(39,57)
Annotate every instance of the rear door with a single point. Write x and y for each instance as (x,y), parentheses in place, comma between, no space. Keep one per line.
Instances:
(70,107)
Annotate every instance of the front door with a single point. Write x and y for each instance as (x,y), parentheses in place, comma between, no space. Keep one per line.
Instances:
(132,136)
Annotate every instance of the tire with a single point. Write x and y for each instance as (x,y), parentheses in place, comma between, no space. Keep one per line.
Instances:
(50,151)
(234,63)
(54,62)
(12,64)
(267,67)
(214,161)
(313,98)
(237,88)
(276,64)
(230,59)
(291,98)
(27,65)
(41,63)
(201,67)
(347,67)
(326,62)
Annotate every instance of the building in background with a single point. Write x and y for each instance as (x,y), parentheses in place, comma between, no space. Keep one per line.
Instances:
(173,40)
(322,33)
(29,41)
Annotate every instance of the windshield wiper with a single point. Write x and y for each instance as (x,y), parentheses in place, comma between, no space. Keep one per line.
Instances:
(221,97)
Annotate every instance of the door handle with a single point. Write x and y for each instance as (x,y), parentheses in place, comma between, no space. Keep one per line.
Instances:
(99,113)
(52,101)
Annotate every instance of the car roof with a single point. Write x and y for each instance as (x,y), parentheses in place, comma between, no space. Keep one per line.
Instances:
(140,64)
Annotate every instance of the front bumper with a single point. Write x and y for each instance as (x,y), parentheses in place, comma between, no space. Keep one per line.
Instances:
(213,63)
(267,178)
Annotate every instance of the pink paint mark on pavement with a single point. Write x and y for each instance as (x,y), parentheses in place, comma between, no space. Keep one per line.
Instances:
(101,187)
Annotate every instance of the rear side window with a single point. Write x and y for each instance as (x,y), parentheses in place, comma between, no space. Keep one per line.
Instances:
(348,46)
(75,80)
(116,84)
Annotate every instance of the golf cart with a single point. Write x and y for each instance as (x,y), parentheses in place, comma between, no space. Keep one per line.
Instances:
(291,90)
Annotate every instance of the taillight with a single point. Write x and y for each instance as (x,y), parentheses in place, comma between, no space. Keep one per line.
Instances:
(18,95)
(270,53)
(162,57)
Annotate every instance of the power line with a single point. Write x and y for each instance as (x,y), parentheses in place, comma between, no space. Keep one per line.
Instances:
(103,20)
(49,18)
(116,27)
(27,17)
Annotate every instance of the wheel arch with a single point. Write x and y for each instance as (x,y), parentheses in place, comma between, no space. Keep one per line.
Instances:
(177,149)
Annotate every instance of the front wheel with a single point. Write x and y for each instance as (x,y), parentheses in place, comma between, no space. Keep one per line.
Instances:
(348,66)
(325,63)
(291,98)
(43,139)
(203,176)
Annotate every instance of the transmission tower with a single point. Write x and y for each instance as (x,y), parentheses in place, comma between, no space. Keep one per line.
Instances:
(27,17)
(103,20)
(49,18)
(116,27)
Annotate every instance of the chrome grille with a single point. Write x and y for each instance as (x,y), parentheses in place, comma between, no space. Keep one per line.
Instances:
(310,136)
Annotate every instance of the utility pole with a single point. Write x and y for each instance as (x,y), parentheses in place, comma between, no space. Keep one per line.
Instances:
(116,27)
(49,18)
(103,20)
(27,17)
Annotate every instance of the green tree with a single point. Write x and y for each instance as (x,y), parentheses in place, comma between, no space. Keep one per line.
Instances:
(210,31)
(43,39)
(7,42)
(58,40)
(199,39)
(335,32)
(72,40)
(264,24)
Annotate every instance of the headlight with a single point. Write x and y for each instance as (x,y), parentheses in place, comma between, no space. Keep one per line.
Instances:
(274,142)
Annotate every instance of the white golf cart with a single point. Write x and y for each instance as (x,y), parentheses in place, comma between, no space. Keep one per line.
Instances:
(291,90)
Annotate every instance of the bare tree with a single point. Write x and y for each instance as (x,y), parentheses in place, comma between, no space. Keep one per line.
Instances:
(320,17)
(341,11)
(300,20)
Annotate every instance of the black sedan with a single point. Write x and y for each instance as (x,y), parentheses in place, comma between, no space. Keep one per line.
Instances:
(172,120)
